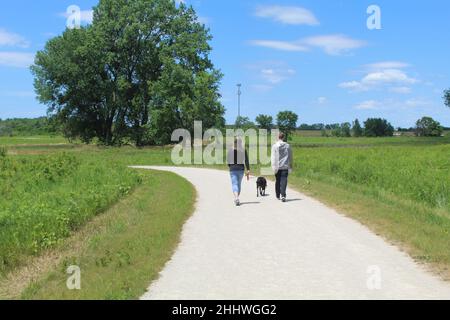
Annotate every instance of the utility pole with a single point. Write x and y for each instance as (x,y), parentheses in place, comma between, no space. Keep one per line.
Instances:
(239,99)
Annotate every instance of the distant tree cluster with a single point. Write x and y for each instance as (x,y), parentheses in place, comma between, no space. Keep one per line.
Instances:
(28,127)
(427,127)
(286,122)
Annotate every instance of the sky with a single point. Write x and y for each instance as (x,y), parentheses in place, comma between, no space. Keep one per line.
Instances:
(318,58)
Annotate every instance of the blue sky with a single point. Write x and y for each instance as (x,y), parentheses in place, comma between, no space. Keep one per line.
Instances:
(315,57)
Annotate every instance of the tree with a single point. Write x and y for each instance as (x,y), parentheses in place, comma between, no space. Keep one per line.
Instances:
(346,130)
(264,122)
(139,71)
(427,127)
(287,122)
(357,129)
(378,128)
(244,123)
(447,97)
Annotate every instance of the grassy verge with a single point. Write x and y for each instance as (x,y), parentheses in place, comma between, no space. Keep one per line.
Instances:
(119,252)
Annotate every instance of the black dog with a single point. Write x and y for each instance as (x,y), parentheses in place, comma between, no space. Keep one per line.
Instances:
(261,185)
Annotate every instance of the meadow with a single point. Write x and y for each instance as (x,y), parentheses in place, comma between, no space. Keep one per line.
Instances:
(398,186)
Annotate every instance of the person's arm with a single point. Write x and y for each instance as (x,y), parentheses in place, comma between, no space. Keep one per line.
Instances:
(275,158)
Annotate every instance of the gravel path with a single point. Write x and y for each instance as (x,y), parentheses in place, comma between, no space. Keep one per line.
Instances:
(269,250)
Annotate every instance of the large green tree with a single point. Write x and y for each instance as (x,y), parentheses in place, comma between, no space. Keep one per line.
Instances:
(287,122)
(428,127)
(138,72)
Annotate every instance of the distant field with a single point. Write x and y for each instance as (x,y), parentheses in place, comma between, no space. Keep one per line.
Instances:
(35,140)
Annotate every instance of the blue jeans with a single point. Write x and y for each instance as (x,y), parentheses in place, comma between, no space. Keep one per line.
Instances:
(236,180)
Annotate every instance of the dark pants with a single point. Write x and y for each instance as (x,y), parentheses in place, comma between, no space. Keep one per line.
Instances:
(281,183)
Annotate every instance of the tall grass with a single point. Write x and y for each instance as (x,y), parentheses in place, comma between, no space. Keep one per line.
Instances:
(415,173)
(44,198)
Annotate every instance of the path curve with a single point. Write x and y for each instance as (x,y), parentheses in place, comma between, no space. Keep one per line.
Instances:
(270,250)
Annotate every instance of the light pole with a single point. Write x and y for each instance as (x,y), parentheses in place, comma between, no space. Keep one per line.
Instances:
(239,99)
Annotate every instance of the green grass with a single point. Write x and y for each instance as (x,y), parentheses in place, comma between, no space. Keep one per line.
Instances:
(33,140)
(399,187)
(44,198)
(127,246)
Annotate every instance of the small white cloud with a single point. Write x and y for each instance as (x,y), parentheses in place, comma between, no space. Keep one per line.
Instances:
(415,103)
(368,105)
(288,15)
(279,45)
(400,90)
(334,44)
(16,59)
(387,65)
(322,100)
(379,79)
(275,76)
(12,40)
(86,16)
(330,44)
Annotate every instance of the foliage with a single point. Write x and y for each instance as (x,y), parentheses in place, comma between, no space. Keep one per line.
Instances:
(287,122)
(244,123)
(357,130)
(43,199)
(375,127)
(447,97)
(265,122)
(27,127)
(427,127)
(139,71)
(344,130)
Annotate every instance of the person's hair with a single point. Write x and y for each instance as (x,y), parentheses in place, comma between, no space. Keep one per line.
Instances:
(281,136)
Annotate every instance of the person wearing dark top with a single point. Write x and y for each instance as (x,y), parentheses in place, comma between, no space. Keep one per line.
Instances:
(238,162)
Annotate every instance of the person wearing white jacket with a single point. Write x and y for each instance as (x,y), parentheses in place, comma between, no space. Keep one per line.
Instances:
(282,164)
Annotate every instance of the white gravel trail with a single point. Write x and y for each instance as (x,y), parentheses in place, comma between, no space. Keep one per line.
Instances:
(269,250)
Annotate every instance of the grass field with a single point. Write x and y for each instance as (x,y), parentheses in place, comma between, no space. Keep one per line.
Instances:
(399,187)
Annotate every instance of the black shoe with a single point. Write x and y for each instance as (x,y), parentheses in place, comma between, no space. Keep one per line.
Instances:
(283,199)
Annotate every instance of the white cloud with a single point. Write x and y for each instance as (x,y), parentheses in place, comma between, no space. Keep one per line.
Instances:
(379,79)
(279,45)
(287,15)
(322,100)
(368,105)
(394,105)
(387,65)
(276,75)
(268,74)
(334,44)
(12,40)
(330,44)
(86,16)
(16,59)
(400,90)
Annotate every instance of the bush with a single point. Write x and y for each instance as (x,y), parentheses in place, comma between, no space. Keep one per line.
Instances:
(3,152)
